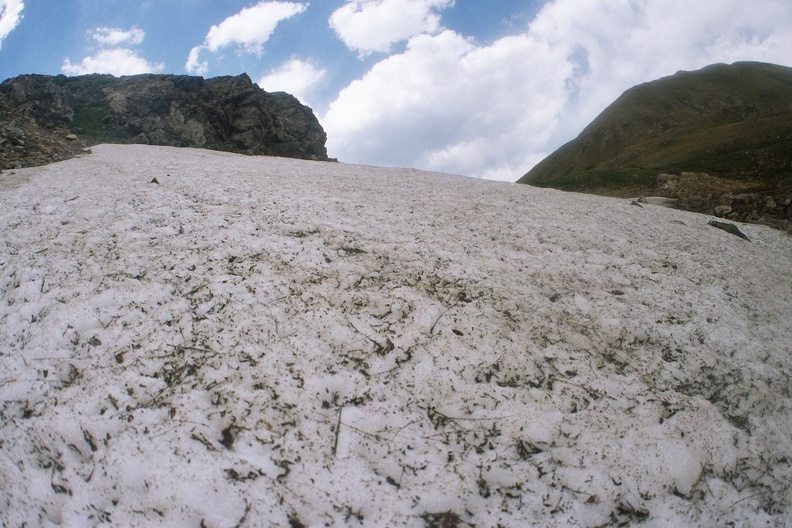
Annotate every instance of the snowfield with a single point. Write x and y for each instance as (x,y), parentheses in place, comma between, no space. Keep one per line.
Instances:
(259,341)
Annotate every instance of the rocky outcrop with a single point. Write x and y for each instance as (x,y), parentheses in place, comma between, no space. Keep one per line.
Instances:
(44,118)
(739,200)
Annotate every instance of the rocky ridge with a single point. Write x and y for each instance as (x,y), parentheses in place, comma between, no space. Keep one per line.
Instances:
(45,118)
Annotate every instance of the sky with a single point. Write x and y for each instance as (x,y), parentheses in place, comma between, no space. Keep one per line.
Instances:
(484,88)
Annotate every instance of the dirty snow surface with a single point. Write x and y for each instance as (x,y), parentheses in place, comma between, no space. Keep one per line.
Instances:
(258,341)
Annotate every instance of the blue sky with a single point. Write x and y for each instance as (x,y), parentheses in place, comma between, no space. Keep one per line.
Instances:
(485,88)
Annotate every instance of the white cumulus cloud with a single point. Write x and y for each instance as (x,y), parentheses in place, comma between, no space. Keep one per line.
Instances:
(369,26)
(249,30)
(112,58)
(296,77)
(115,61)
(116,36)
(194,63)
(10,16)
(449,105)
(494,111)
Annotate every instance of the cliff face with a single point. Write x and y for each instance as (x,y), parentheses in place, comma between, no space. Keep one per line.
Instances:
(716,140)
(44,118)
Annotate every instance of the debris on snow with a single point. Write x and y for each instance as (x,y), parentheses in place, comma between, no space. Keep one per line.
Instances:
(267,341)
(729,228)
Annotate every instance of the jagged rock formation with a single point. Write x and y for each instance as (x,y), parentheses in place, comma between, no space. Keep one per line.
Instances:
(716,140)
(45,118)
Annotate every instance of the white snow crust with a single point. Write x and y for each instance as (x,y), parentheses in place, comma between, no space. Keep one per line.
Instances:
(259,341)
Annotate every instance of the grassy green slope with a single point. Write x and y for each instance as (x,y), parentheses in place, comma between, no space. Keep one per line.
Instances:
(730,121)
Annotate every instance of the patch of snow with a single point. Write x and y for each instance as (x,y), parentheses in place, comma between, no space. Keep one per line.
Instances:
(261,341)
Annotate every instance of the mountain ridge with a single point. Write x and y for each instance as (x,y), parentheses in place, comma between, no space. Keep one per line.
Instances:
(714,139)
(45,118)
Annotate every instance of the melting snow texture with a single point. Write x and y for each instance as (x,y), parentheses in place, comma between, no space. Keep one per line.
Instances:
(269,342)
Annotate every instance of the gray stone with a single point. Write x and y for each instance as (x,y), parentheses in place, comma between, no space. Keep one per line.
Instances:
(729,228)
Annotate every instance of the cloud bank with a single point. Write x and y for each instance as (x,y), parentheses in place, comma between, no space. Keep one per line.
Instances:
(296,77)
(369,26)
(113,58)
(10,16)
(494,110)
(248,30)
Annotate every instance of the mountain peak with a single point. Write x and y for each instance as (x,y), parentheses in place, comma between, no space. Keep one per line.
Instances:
(38,113)
(722,130)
